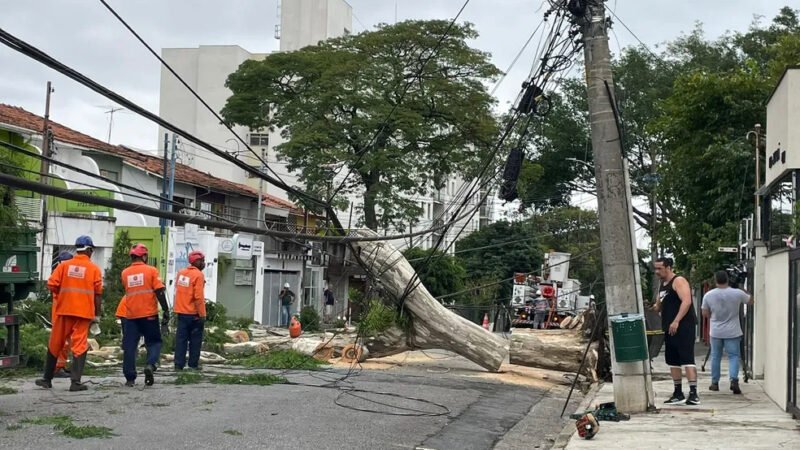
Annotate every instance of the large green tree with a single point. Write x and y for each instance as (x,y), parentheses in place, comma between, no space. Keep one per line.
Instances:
(684,115)
(402,107)
(442,274)
(497,251)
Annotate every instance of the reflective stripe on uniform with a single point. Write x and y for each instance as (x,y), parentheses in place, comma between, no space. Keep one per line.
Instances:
(139,292)
(78,290)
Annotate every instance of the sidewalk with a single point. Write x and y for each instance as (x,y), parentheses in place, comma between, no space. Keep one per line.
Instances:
(722,420)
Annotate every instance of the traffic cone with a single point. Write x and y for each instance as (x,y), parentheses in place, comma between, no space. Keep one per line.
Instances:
(486,321)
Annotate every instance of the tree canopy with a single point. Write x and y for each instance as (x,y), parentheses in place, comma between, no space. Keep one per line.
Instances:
(685,112)
(401,107)
(442,275)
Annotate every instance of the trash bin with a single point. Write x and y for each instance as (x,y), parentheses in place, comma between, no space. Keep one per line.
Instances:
(630,343)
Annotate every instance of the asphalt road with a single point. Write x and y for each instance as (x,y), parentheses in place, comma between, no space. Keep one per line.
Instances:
(453,411)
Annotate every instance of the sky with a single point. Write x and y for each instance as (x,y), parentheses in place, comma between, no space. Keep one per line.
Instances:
(84,35)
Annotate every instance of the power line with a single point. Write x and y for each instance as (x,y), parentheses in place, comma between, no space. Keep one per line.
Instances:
(408,85)
(186,85)
(32,52)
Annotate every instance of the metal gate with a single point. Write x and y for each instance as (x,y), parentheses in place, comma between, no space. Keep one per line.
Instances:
(273,282)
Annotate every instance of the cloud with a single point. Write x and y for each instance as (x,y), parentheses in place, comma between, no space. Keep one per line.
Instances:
(85,36)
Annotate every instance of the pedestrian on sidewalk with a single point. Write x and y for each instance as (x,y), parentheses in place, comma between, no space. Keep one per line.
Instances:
(721,306)
(286,297)
(190,306)
(678,320)
(77,285)
(329,301)
(144,291)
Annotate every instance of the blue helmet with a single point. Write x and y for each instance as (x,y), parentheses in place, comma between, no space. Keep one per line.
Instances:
(83,243)
(64,256)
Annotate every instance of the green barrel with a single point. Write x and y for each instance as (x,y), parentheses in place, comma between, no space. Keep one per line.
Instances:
(630,341)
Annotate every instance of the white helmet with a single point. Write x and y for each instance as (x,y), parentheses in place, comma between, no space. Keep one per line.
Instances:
(286,286)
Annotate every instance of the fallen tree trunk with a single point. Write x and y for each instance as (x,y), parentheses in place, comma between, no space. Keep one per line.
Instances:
(433,325)
(560,350)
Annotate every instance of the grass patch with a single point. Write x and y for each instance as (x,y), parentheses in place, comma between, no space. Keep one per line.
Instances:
(259,379)
(188,378)
(87,431)
(67,428)
(5,390)
(58,421)
(379,318)
(281,359)
(233,432)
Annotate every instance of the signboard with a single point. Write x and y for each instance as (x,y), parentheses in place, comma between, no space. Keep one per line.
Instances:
(243,248)
(82,207)
(226,245)
(258,248)
(728,250)
(521,291)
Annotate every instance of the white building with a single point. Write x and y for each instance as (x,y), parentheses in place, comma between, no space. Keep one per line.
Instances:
(206,68)
(776,340)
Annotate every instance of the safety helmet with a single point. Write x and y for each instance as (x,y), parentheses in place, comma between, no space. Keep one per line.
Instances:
(287,286)
(64,256)
(196,255)
(83,243)
(139,250)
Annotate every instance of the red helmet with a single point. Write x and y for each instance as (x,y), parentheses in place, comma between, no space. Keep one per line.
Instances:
(139,250)
(196,255)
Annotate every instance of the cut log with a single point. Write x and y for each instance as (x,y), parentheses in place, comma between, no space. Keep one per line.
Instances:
(245,348)
(560,350)
(238,336)
(433,325)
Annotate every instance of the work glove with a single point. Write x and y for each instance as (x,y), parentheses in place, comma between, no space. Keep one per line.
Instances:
(165,323)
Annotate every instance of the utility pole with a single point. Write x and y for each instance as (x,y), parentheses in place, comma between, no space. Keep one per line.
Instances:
(757,213)
(632,381)
(171,192)
(260,209)
(163,222)
(45,169)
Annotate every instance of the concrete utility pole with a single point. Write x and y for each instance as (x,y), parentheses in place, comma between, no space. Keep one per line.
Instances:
(632,381)
(45,169)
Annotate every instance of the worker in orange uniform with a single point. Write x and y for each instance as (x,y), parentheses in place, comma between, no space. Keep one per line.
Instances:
(77,285)
(122,311)
(144,291)
(190,306)
(61,364)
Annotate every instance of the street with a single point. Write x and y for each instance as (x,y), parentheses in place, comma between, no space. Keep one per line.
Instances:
(431,400)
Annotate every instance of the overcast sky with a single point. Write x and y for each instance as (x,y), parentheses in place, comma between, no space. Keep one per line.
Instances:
(82,34)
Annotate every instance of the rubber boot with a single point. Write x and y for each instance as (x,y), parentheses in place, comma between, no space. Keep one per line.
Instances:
(49,370)
(78,363)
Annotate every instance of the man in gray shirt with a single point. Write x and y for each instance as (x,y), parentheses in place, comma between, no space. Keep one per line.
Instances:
(721,305)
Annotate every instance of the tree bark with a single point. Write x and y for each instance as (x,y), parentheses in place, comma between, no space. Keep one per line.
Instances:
(560,350)
(370,200)
(433,326)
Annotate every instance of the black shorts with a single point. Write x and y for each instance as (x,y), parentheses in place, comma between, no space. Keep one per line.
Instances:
(679,349)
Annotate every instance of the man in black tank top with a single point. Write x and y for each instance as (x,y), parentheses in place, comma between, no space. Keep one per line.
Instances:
(678,319)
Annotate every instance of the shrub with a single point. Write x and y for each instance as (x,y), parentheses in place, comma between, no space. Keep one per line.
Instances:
(309,319)
(281,359)
(34,340)
(378,318)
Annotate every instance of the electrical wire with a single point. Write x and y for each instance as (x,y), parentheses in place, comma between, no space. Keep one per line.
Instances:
(186,85)
(403,94)
(34,53)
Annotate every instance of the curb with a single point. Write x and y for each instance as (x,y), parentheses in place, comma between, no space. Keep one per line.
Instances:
(563,438)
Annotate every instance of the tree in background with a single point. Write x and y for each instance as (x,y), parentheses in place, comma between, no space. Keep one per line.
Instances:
(684,115)
(497,251)
(113,290)
(332,102)
(12,223)
(443,275)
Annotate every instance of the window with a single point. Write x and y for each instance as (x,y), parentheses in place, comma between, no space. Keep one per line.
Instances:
(780,210)
(260,139)
(110,174)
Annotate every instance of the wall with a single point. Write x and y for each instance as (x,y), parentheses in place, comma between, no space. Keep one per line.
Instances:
(783,109)
(776,269)
(760,335)
(306,22)
(63,230)
(205,69)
